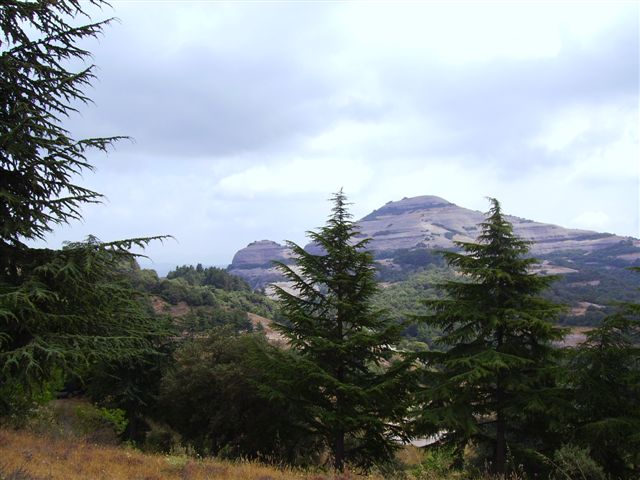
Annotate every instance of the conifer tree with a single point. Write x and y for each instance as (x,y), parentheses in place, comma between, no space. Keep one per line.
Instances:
(60,310)
(492,375)
(604,377)
(38,91)
(339,367)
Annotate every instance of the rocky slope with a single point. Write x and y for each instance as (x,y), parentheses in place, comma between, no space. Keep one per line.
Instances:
(259,254)
(432,222)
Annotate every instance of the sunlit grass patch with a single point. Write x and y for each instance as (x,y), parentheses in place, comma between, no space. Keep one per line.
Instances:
(28,456)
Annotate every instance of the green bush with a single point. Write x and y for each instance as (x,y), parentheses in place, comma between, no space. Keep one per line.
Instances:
(19,404)
(571,462)
(161,439)
(436,464)
(93,418)
(212,399)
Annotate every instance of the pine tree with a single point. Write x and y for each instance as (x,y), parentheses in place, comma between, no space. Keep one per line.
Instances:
(492,375)
(37,92)
(60,310)
(604,376)
(339,368)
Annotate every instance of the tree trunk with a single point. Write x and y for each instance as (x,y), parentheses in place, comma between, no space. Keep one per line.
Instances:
(500,455)
(338,452)
(339,439)
(500,458)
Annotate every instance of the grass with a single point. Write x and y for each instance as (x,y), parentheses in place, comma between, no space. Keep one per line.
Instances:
(27,456)
(69,439)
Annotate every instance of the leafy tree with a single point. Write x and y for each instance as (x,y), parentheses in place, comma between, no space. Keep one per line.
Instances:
(604,374)
(339,368)
(492,381)
(60,310)
(211,398)
(202,319)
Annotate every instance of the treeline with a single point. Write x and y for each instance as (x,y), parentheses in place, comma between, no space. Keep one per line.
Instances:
(211,276)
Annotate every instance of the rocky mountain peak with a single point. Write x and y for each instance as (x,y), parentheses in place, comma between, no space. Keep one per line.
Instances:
(260,253)
(407,205)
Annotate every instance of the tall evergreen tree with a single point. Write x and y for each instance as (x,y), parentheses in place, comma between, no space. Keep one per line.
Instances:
(492,375)
(340,367)
(59,309)
(604,376)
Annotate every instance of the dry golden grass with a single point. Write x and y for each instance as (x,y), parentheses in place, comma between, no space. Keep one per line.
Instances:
(44,457)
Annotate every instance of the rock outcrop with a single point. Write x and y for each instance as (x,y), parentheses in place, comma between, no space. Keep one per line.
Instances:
(260,254)
(254,263)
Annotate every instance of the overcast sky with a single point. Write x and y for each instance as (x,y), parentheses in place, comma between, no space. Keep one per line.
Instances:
(248,115)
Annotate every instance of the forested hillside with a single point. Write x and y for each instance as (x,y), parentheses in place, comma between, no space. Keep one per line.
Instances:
(200,298)
(589,284)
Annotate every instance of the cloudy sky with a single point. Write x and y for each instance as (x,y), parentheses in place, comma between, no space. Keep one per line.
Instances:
(246,116)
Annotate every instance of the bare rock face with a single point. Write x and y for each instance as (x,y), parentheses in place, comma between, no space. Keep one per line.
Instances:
(254,263)
(432,222)
(260,254)
(419,222)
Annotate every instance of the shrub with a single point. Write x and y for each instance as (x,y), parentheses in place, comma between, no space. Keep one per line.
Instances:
(571,462)
(93,418)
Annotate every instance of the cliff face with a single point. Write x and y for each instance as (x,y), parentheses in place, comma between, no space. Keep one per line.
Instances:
(260,254)
(429,222)
(254,263)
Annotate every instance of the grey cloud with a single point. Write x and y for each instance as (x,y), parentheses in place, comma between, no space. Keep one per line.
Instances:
(270,83)
(206,104)
(494,108)
(255,89)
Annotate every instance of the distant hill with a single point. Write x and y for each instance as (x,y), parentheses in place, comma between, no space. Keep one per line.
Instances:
(199,298)
(405,235)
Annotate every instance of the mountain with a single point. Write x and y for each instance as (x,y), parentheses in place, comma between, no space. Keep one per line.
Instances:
(432,222)
(405,235)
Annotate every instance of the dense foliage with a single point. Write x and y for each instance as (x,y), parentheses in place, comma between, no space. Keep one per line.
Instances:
(69,309)
(604,375)
(211,296)
(602,279)
(212,276)
(492,378)
(211,398)
(404,300)
(38,156)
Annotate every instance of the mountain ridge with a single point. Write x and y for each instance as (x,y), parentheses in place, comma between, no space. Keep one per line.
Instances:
(432,222)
